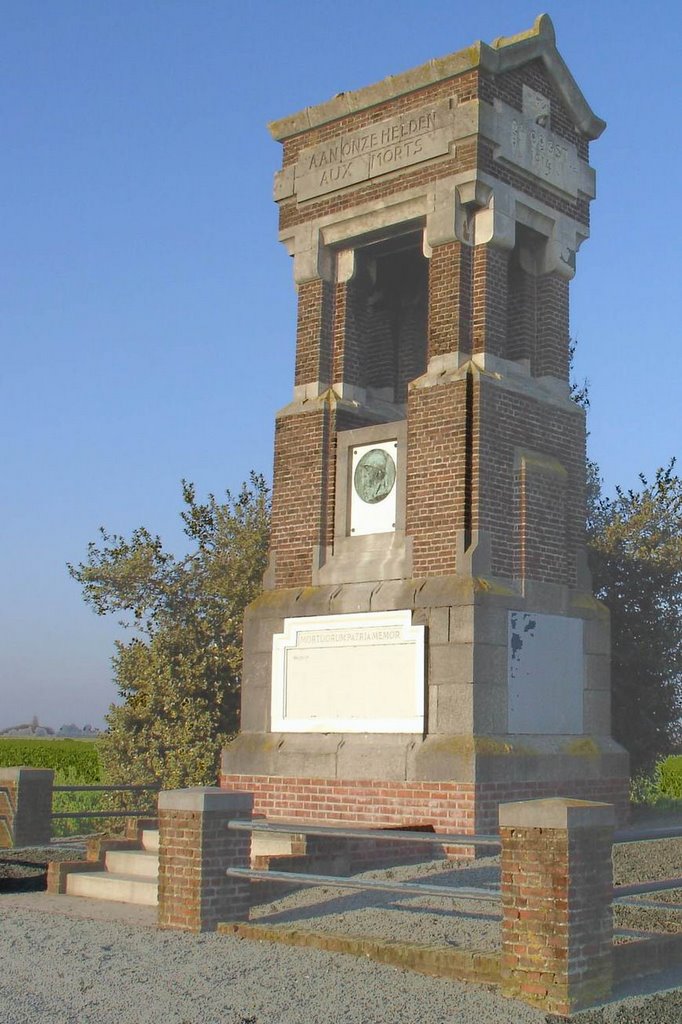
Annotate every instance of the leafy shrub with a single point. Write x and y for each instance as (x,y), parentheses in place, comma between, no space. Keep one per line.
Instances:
(669,774)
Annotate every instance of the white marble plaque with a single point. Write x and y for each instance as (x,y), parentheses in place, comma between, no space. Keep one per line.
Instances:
(379,148)
(373,486)
(349,673)
(545,674)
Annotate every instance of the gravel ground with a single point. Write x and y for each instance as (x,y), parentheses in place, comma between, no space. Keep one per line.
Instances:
(65,960)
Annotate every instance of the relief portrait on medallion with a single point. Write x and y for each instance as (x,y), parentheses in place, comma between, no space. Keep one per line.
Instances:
(374,476)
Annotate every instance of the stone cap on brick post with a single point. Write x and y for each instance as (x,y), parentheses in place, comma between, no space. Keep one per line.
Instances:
(203,799)
(25,806)
(557,918)
(556,812)
(195,850)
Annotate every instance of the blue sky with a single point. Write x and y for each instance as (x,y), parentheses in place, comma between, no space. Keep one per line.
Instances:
(147,309)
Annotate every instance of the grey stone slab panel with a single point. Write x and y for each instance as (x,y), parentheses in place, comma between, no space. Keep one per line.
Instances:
(374,757)
(598,672)
(439,625)
(550,598)
(490,664)
(431,709)
(259,631)
(450,664)
(256,711)
(351,597)
(367,559)
(461,624)
(598,635)
(257,668)
(311,601)
(490,625)
(443,758)
(308,755)
(454,709)
(549,758)
(597,711)
(444,591)
(420,616)
(281,754)
(393,595)
(490,709)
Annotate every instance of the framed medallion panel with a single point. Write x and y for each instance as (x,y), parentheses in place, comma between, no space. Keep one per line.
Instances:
(373,488)
(369,507)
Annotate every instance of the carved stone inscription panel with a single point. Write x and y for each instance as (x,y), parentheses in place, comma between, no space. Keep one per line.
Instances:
(524,142)
(379,148)
(349,673)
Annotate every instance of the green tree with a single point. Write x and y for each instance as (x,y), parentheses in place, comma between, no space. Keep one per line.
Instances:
(179,675)
(635,546)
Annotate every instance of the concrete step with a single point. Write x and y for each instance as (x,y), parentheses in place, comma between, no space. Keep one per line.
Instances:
(150,839)
(105,885)
(136,863)
(277,844)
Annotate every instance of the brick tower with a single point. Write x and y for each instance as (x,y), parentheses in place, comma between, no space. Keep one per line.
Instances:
(427,643)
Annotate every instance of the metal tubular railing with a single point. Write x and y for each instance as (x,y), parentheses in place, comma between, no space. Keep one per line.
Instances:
(100,814)
(104,789)
(640,888)
(373,885)
(97,788)
(646,835)
(340,882)
(402,835)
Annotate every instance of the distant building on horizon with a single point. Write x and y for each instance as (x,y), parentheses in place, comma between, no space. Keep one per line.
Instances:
(34,730)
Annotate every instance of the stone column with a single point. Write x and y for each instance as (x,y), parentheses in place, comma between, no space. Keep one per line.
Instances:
(25,806)
(195,850)
(557,922)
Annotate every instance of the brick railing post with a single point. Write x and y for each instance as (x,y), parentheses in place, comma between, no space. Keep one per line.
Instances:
(557,921)
(195,849)
(25,806)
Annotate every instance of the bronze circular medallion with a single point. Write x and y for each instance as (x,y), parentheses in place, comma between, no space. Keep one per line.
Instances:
(374,476)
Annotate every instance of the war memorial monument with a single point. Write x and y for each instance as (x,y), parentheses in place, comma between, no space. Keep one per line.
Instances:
(427,644)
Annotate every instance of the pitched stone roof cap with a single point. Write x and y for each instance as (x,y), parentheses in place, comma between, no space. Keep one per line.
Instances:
(503,54)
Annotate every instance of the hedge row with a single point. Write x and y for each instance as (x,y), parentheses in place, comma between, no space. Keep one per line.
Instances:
(77,760)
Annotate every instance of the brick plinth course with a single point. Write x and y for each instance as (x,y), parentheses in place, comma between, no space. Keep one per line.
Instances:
(445,806)
(25,806)
(557,923)
(195,849)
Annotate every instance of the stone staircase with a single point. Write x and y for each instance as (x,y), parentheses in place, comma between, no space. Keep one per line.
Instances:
(127,870)
(128,876)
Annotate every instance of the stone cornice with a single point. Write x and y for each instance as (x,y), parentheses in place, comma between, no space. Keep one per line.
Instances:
(504,54)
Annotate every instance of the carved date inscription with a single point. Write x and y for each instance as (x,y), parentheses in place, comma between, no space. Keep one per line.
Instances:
(539,151)
(374,150)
